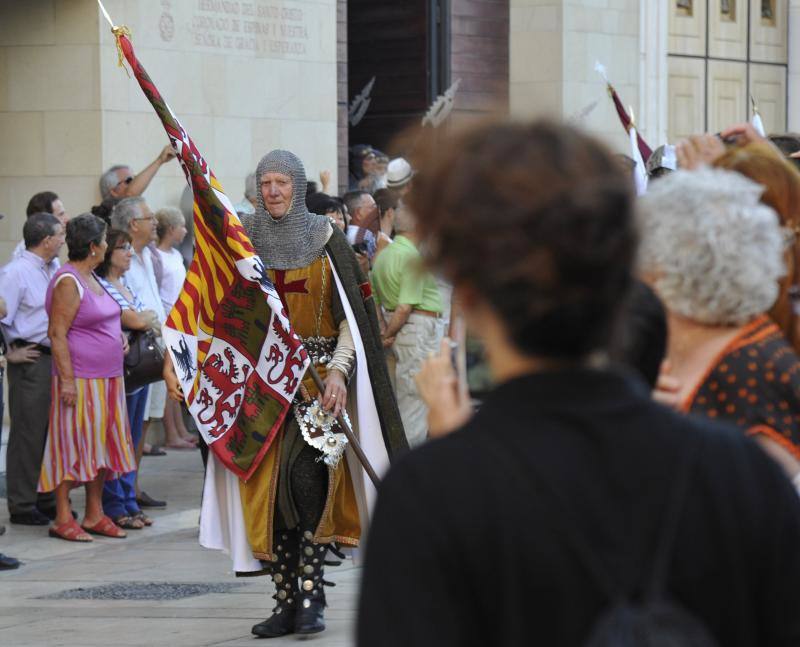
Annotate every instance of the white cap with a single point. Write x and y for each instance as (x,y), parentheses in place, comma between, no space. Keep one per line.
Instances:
(398,173)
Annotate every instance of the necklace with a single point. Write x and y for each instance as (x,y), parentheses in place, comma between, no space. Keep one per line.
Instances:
(322,296)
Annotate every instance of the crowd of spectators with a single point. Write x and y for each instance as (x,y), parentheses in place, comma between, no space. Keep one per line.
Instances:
(606,318)
(573,507)
(413,306)
(135,262)
(65,330)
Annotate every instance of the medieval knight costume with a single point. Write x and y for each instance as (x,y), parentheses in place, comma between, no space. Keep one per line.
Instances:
(308,491)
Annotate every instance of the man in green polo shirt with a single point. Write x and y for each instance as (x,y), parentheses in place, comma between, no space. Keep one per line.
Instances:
(413,305)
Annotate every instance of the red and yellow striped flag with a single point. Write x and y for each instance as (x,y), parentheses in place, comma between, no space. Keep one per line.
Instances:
(229,337)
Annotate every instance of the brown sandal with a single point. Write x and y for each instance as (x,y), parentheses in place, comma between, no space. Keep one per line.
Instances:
(69,531)
(106,528)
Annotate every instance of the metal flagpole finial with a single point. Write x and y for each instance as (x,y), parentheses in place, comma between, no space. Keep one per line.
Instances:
(753,103)
(632,116)
(602,71)
(105,13)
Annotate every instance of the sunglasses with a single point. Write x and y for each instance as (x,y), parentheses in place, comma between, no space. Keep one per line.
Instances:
(126,247)
(127,180)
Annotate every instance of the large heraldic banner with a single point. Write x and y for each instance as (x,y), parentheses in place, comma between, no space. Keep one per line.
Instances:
(238,360)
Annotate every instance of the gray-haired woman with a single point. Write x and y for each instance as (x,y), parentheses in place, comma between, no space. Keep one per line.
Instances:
(714,255)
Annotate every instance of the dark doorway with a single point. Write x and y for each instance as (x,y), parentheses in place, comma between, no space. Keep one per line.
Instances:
(405,46)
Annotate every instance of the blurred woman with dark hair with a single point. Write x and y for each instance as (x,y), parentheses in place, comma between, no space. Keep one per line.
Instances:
(119,494)
(89,438)
(539,515)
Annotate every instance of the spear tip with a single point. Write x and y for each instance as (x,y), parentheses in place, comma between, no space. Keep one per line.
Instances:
(105,14)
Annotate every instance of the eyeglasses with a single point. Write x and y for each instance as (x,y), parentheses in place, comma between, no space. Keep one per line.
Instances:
(150,217)
(127,180)
(126,247)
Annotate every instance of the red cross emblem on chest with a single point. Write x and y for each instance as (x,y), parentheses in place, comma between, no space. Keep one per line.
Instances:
(292,287)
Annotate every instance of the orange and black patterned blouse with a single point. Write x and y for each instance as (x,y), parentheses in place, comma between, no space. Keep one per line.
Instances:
(755,384)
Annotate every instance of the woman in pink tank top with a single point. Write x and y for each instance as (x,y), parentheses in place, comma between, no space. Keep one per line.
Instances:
(89,438)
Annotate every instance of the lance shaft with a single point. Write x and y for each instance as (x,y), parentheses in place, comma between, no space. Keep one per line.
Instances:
(351,437)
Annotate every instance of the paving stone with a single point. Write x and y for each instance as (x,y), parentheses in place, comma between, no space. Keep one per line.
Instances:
(157,588)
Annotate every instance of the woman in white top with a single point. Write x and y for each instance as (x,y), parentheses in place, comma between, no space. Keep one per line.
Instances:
(171,230)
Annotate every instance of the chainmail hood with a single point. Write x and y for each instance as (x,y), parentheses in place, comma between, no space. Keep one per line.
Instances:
(298,238)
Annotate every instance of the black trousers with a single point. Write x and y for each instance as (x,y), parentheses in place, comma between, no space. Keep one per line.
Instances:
(29,411)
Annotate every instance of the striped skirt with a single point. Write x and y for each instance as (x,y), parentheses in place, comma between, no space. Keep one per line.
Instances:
(93,435)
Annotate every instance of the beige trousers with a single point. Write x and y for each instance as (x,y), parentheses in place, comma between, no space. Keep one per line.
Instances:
(417,339)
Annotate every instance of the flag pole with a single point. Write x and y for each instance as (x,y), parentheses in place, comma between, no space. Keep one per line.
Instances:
(105,13)
(362,457)
(359,451)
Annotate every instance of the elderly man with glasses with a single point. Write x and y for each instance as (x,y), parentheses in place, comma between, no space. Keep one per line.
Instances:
(120,182)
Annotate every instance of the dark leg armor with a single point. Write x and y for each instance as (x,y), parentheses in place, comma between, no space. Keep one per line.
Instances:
(311,597)
(284,576)
(310,491)
(300,606)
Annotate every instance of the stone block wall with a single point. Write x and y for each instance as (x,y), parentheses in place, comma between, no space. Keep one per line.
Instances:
(721,54)
(554,45)
(50,105)
(243,77)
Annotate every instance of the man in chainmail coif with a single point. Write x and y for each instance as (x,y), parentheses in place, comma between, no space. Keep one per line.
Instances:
(310,490)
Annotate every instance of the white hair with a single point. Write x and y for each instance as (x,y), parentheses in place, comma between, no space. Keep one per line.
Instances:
(715,252)
(109,180)
(126,211)
(167,218)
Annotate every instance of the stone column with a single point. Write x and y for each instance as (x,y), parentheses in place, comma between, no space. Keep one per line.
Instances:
(536,61)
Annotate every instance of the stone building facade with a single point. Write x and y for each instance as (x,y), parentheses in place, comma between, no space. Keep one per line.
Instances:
(721,53)
(245,76)
(684,66)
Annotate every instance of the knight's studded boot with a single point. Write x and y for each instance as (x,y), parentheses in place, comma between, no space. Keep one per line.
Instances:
(284,576)
(311,596)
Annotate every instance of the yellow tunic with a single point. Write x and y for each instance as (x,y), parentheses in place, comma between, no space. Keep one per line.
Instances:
(307,293)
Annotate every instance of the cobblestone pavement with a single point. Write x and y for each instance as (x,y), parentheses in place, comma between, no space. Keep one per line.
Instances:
(157,587)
